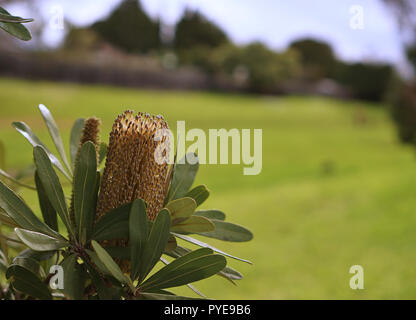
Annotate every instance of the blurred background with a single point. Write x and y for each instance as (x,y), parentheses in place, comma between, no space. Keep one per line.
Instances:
(330,83)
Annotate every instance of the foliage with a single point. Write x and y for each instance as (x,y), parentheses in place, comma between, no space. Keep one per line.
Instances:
(13,25)
(129,28)
(367,81)
(403,111)
(89,264)
(194,30)
(317,58)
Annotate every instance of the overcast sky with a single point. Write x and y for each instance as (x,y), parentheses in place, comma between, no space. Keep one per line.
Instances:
(275,22)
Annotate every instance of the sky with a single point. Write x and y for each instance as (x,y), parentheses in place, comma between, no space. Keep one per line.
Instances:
(356,29)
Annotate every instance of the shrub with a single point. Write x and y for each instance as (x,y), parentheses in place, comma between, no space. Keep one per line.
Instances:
(119,224)
(403,110)
(367,81)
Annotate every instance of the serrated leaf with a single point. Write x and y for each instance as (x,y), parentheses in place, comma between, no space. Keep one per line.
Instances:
(211,214)
(194,224)
(113,225)
(13,27)
(226,231)
(205,245)
(138,235)
(181,208)
(53,188)
(46,207)
(195,266)
(21,214)
(183,178)
(25,131)
(84,190)
(27,282)
(39,241)
(76,134)
(156,243)
(200,194)
(54,133)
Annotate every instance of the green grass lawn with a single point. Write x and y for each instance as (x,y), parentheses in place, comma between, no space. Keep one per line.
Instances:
(334,192)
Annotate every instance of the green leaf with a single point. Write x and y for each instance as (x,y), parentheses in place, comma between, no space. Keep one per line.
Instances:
(200,194)
(228,273)
(25,131)
(111,266)
(12,27)
(172,243)
(39,241)
(76,134)
(194,224)
(28,263)
(113,225)
(102,153)
(123,253)
(3,262)
(104,293)
(48,211)
(7,17)
(84,190)
(156,243)
(74,278)
(28,283)
(195,266)
(6,220)
(205,245)
(54,133)
(97,262)
(17,210)
(138,235)
(182,180)
(9,177)
(226,231)
(181,208)
(53,188)
(158,296)
(211,214)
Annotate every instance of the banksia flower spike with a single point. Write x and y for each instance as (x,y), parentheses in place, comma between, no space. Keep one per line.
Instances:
(91,132)
(131,170)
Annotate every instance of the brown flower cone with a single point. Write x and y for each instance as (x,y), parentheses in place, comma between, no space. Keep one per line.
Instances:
(131,171)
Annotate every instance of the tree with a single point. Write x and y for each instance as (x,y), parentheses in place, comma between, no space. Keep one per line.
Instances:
(129,28)
(195,30)
(317,58)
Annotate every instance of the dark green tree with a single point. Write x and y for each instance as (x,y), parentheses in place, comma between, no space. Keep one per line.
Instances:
(194,30)
(317,58)
(129,28)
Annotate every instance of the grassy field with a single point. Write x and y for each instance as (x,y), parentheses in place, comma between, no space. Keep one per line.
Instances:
(336,189)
